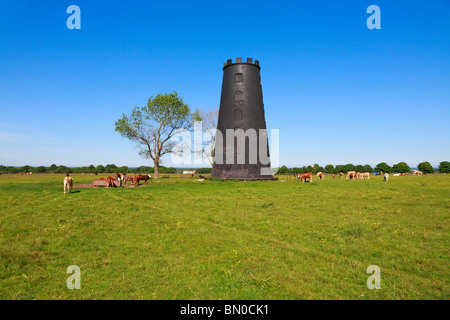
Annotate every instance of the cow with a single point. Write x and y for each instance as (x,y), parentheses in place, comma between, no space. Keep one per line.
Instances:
(417,173)
(119,179)
(307,175)
(404,174)
(386,176)
(110,182)
(364,174)
(333,175)
(68,183)
(138,178)
(320,175)
(341,174)
(350,175)
(127,178)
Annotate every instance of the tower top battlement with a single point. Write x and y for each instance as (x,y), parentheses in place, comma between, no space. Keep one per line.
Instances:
(239,61)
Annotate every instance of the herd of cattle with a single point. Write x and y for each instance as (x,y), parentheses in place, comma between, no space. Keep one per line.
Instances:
(350,175)
(112,182)
(123,179)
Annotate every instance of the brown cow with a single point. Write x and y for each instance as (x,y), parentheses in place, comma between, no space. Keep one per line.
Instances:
(333,175)
(341,174)
(110,182)
(350,175)
(307,175)
(320,175)
(138,178)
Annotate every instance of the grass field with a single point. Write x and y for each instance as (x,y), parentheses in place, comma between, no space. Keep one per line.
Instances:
(185,239)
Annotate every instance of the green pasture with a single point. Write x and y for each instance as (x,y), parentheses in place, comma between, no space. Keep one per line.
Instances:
(179,238)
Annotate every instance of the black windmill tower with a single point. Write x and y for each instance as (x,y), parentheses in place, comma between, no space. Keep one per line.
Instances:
(242,107)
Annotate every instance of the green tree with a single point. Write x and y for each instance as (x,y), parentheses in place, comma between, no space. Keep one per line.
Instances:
(152,126)
(40,169)
(62,169)
(100,168)
(367,168)
(401,167)
(282,170)
(349,167)
(123,169)
(340,168)
(52,168)
(26,168)
(317,168)
(203,170)
(425,167)
(383,167)
(329,168)
(110,168)
(444,167)
(359,168)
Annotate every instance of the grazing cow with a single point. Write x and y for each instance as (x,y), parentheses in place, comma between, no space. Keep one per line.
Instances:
(68,183)
(320,175)
(110,182)
(350,175)
(341,174)
(364,174)
(386,176)
(307,175)
(138,178)
(119,179)
(333,175)
(127,178)
(417,173)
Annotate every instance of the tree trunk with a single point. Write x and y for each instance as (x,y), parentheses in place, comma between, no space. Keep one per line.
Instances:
(156,163)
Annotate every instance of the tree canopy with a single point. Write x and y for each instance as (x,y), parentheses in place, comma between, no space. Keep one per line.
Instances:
(383,167)
(425,167)
(444,167)
(153,125)
(401,167)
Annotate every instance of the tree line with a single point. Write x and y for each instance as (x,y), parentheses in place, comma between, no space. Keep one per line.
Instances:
(110,168)
(401,167)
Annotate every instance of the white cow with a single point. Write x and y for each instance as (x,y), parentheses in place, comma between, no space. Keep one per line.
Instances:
(68,183)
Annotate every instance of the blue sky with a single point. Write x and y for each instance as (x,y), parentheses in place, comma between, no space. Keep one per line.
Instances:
(338,92)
